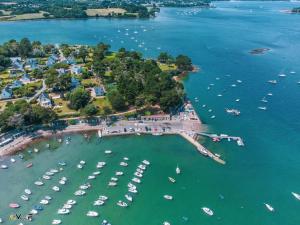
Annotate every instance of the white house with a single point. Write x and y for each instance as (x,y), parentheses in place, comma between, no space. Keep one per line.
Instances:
(44,100)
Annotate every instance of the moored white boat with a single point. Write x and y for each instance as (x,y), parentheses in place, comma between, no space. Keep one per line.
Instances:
(178,171)
(63,211)
(146,162)
(269,207)
(3,166)
(171,179)
(27,191)
(91,177)
(79,193)
(123,164)
(107,151)
(56,221)
(98,202)
(168,197)
(92,213)
(297,196)
(136,180)
(71,202)
(119,173)
(55,188)
(39,183)
(24,197)
(122,204)
(128,197)
(208,211)
(103,198)
(44,202)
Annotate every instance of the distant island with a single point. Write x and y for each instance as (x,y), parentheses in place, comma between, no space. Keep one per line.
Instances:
(296,10)
(259,51)
(12,10)
(41,83)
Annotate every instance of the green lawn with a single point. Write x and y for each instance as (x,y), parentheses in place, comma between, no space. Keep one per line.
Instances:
(101,103)
(63,109)
(167,67)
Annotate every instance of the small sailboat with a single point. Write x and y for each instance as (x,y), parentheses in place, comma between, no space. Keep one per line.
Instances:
(297,196)
(122,204)
(39,183)
(55,188)
(262,108)
(128,197)
(63,211)
(171,179)
(71,202)
(24,197)
(56,221)
(103,197)
(178,171)
(168,197)
(44,202)
(269,207)
(208,211)
(27,191)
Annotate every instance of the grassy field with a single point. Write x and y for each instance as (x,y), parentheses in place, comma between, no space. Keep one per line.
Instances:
(27,16)
(104,12)
(90,82)
(167,67)
(101,103)
(62,108)
(2,106)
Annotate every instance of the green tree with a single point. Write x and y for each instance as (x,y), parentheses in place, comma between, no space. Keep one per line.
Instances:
(79,98)
(116,99)
(90,110)
(183,63)
(25,48)
(83,53)
(164,57)
(4,62)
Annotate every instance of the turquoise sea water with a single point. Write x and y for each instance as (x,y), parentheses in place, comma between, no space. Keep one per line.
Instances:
(218,40)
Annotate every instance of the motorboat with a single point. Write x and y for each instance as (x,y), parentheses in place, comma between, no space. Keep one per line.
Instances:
(46,177)
(178,171)
(136,180)
(168,197)
(237,100)
(44,202)
(98,202)
(297,196)
(91,177)
(138,174)
(62,163)
(122,204)
(114,179)
(34,211)
(38,207)
(213,116)
(126,158)
(79,166)
(208,211)
(96,173)
(262,108)
(132,190)
(139,170)
(62,182)
(282,75)
(29,165)
(171,179)
(67,206)
(85,186)
(99,133)
(55,188)
(12,160)
(24,197)
(71,202)
(27,191)
(112,184)
(107,151)
(270,94)
(239,81)
(14,205)
(128,197)
(92,213)
(48,173)
(79,193)
(234,112)
(39,183)
(47,197)
(166,223)
(142,167)
(269,207)
(272,81)
(63,211)
(35,150)
(3,166)
(103,198)
(119,173)
(130,185)
(82,162)
(123,164)
(146,162)
(56,221)
(54,171)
